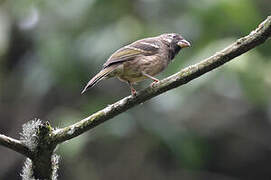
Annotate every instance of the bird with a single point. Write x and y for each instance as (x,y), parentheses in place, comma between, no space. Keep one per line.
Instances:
(140,60)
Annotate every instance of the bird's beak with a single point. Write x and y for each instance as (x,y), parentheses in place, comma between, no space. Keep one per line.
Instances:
(184,43)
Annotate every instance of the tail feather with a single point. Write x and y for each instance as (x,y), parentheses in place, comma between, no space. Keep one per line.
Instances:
(98,77)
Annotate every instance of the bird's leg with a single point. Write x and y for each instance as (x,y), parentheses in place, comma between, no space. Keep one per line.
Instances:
(155,80)
(133,91)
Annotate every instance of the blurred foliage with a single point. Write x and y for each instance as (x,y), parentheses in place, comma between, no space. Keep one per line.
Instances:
(216,127)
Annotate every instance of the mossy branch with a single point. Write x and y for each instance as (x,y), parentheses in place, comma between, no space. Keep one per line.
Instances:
(242,45)
(15,145)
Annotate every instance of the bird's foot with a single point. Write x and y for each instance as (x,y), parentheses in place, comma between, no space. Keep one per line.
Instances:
(133,92)
(154,83)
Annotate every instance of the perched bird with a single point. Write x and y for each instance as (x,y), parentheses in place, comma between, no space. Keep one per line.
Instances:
(142,59)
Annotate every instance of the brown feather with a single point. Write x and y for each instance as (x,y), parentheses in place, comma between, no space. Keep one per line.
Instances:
(144,47)
(98,77)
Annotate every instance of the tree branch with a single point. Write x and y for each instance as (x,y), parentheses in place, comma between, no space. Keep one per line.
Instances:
(242,45)
(15,145)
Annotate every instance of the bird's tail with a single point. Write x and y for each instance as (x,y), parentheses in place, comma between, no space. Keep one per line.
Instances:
(98,77)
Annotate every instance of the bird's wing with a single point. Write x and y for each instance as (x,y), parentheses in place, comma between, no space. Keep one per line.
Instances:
(145,47)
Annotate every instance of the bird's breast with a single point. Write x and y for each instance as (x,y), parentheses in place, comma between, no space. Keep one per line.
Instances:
(152,65)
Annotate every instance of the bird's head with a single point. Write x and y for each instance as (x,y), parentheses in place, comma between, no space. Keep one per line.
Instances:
(174,39)
(175,42)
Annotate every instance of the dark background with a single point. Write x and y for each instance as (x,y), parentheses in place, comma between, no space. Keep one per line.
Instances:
(216,127)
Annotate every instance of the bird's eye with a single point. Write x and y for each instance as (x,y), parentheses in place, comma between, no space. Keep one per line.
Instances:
(172,36)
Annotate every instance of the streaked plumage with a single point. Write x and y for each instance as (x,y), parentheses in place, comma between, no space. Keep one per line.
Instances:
(142,59)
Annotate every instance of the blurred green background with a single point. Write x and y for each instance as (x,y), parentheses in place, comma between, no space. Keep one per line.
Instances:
(216,127)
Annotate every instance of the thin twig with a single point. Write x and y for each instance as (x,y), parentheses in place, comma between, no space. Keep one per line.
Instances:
(242,45)
(15,145)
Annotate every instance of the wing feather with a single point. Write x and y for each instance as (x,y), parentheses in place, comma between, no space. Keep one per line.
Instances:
(144,47)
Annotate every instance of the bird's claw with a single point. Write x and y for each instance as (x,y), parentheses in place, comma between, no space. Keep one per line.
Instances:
(154,83)
(133,92)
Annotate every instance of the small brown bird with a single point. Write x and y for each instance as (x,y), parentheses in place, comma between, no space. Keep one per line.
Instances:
(142,59)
